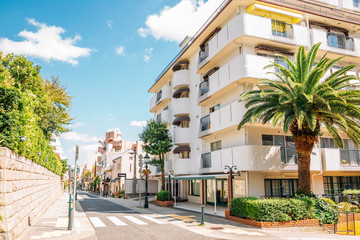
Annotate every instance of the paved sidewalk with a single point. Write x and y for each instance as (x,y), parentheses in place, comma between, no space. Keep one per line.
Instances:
(53,224)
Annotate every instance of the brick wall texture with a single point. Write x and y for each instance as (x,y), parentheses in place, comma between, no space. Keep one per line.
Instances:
(27,190)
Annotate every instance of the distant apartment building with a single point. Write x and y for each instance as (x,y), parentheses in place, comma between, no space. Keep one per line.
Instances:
(57,147)
(197,96)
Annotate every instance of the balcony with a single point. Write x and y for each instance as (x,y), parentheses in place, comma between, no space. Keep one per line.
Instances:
(351,4)
(223,118)
(181,78)
(164,116)
(180,106)
(182,165)
(255,158)
(335,159)
(158,98)
(182,135)
(247,27)
(335,43)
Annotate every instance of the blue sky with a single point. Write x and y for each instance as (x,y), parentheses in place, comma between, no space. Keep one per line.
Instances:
(107,53)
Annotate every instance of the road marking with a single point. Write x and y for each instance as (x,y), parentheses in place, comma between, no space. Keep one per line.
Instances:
(154,220)
(97,222)
(116,221)
(135,220)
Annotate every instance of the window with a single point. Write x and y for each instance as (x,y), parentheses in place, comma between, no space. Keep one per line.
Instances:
(158,95)
(184,154)
(206,160)
(215,146)
(281,29)
(194,187)
(204,53)
(281,61)
(280,187)
(287,144)
(350,154)
(130,167)
(166,108)
(340,40)
(356,3)
(204,86)
(335,185)
(184,95)
(205,123)
(158,118)
(184,124)
(214,108)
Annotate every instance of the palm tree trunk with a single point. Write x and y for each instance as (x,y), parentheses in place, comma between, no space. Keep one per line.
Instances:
(304,148)
(162,173)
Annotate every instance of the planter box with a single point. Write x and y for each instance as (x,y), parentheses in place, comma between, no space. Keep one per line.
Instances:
(164,203)
(258,224)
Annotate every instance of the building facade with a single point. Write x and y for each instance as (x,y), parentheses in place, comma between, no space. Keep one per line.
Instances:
(197,96)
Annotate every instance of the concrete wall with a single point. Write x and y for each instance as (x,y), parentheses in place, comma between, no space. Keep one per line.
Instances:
(27,190)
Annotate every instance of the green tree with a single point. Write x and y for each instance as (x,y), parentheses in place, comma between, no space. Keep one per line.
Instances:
(157,142)
(301,102)
(64,165)
(96,183)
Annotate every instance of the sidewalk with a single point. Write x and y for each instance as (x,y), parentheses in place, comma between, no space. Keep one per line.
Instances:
(53,224)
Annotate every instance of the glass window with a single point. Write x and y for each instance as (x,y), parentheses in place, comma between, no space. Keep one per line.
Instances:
(184,155)
(215,146)
(194,187)
(214,108)
(279,140)
(356,3)
(267,140)
(280,187)
(184,124)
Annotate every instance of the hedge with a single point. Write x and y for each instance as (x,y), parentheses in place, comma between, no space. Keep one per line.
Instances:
(272,210)
(162,196)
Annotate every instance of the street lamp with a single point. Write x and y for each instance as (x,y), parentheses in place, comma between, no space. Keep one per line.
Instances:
(140,168)
(133,151)
(169,174)
(146,158)
(231,170)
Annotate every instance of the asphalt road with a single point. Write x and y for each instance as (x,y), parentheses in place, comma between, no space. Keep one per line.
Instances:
(114,221)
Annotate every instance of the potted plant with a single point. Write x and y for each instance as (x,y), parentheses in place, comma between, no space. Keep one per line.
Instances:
(162,199)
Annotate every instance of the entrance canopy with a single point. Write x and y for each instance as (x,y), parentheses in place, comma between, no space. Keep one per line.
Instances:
(198,177)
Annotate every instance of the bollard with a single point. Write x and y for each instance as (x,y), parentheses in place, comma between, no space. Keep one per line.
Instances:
(202,216)
(70,214)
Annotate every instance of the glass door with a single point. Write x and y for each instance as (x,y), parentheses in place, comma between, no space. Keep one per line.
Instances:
(222,192)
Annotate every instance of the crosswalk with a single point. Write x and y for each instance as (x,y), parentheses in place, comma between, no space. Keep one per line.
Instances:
(99,222)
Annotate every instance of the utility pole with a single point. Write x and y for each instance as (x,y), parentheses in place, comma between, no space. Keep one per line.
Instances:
(134,177)
(71,206)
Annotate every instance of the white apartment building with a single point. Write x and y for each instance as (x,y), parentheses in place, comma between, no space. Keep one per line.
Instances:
(57,146)
(197,95)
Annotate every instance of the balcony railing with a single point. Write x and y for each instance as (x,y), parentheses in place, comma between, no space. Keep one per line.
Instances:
(205,123)
(204,87)
(340,41)
(281,29)
(158,118)
(206,160)
(158,95)
(351,157)
(204,53)
(288,155)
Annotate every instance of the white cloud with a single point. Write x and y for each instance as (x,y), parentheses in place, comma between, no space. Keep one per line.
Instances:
(112,119)
(46,43)
(148,55)
(109,23)
(138,123)
(175,23)
(82,137)
(77,124)
(120,50)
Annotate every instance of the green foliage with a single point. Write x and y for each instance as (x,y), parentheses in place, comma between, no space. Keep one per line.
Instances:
(162,196)
(157,142)
(32,108)
(92,186)
(347,207)
(351,191)
(329,201)
(271,210)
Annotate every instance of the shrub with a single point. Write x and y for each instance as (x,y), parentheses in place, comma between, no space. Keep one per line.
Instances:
(353,193)
(271,210)
(162,196)
(329,201)
(347,207)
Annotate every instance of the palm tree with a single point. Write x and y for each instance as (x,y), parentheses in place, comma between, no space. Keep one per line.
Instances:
(302,102)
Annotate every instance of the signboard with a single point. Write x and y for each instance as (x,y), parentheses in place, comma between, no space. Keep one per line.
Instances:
(122,175)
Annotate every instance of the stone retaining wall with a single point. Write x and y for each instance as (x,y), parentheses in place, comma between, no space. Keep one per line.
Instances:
(27,190)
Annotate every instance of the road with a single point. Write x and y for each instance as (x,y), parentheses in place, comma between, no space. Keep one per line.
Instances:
(112,219)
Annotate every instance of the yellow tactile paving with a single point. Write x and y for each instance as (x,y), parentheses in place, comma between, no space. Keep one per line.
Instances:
(182,218)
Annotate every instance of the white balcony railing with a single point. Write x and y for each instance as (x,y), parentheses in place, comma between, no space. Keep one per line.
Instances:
(181,78)
(255,158)
(182,135)
(180,106)
(164,116)
(164,93)
(335,159)
(182,165)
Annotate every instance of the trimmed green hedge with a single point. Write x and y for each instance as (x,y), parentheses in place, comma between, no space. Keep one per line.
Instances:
(272,210)
(162,196)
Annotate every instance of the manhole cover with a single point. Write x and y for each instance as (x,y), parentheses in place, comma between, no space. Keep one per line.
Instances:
(216,228)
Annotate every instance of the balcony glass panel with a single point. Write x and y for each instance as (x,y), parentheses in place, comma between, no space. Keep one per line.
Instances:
(338,40)
(206,160)
(204,87)
(281,29)
(204,53)
(158,95)
(205,123)
(288,155)
(348,156)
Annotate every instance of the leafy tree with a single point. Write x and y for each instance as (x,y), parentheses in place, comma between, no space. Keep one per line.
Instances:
(96,183)
(157,142)
(64,165)
(301,103)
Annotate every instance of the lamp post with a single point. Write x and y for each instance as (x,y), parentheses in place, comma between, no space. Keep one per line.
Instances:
(146,204)
(231,170)
(169,174)
(134,177)
(140,168)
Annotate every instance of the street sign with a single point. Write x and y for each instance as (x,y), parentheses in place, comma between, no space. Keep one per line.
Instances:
(122,175)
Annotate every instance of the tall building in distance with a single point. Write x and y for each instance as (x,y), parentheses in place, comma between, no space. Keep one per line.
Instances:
(57,146)
(197,95)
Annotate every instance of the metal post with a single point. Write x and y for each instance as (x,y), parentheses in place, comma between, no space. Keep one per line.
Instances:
(169,188)
(202,215)
(134,177)
(70,214)
(146,204)
(231,184)
(75,171)
(215,196)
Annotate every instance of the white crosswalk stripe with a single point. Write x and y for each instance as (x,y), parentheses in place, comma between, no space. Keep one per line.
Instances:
(97,222)
(154,220)
(116,221)
(135,220)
